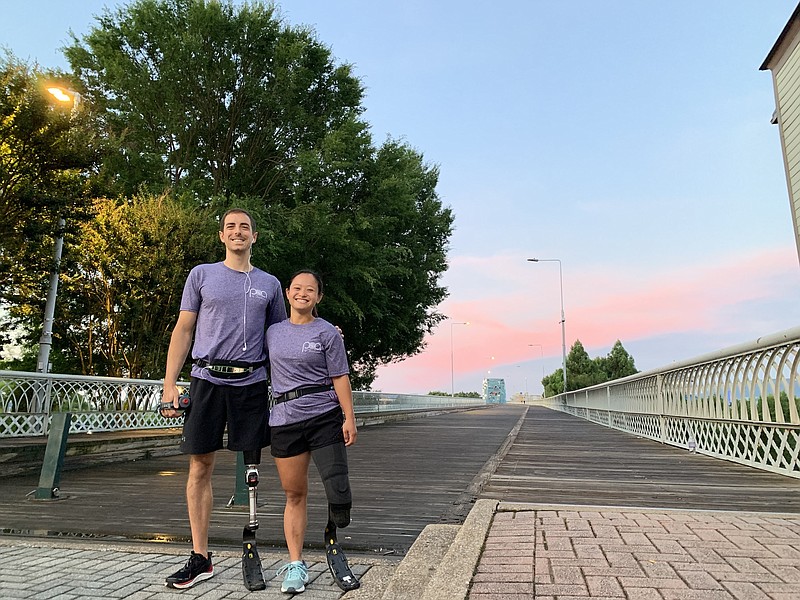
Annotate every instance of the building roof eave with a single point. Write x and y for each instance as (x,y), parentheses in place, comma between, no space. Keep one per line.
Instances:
(782,38)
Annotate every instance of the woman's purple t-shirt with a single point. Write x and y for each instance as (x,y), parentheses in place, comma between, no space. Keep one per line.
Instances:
(300,356)
(233,310)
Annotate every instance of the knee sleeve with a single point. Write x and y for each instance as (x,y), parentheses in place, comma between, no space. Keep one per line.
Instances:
(252,457)
(331,463)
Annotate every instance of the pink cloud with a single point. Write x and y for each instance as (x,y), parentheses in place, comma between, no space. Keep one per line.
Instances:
(508,310)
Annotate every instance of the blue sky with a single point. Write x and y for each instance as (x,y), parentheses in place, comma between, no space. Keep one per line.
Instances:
(628,138)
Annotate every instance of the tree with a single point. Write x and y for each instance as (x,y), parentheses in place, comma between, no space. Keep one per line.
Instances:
(36,153)
(225,105)
(618,363)
(583,371)
(554,383)
(46,157)
(126,272)
(216,97)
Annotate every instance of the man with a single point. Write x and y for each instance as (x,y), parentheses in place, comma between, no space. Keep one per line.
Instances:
(226,307)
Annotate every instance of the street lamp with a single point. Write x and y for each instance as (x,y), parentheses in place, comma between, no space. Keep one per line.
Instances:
(452,362)
(563,320)
(46,341)
(541,355)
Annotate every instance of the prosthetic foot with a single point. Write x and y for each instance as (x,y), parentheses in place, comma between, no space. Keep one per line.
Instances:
(251,562)
(337,561)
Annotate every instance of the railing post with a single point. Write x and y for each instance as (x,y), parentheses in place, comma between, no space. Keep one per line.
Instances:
(54,457)
(662,425)
(240,496)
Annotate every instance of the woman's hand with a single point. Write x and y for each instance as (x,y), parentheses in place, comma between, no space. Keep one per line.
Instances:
(350,432)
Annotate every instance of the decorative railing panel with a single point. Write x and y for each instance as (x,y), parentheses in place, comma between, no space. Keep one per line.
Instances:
(740,404)
(114,404)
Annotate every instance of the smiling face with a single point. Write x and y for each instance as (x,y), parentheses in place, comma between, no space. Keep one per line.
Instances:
(237,233)
(303,294)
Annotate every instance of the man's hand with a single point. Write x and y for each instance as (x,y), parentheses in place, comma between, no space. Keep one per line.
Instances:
(169,397)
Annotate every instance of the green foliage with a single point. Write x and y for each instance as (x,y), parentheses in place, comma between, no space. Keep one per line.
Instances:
(456,395)
(553,383)
(217,97)
(206,105)
(583,371)
(760,406)
(122,288)
(618,363)
(46,159)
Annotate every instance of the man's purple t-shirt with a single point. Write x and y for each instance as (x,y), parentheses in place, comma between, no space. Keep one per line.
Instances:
(233,310)
(300,356)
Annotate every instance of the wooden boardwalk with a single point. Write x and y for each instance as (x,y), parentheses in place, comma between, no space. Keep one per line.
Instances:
(406,475)
(560,459)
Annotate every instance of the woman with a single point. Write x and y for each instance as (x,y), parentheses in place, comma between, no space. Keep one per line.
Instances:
(312,417)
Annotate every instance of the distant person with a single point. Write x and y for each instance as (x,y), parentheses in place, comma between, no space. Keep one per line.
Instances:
(313,417)
(226,307)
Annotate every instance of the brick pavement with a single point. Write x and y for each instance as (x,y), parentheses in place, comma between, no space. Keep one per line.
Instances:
(571,553)
(66,570)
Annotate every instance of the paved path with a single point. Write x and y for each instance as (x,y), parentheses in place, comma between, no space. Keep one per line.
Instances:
(69,569)
(603,553)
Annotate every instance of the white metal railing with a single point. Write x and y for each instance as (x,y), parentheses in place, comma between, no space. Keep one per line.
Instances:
(111,404)
(738,404)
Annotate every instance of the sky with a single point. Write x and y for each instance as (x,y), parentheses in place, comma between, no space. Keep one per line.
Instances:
(628,139)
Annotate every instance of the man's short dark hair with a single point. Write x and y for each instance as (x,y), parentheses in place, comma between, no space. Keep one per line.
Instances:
(237,210)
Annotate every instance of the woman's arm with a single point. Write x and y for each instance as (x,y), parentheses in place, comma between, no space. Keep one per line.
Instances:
(344,391)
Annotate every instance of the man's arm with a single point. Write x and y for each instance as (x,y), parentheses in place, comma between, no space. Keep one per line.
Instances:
(179,345)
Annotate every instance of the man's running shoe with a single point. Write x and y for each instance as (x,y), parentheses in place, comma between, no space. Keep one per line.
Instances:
(296,577)
(198,568)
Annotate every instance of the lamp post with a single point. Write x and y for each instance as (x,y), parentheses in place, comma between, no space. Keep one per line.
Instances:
(563,320)
(541,356)
(452,361)
(46,341)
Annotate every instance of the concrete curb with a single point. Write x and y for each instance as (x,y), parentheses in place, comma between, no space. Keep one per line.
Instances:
(453,576)
(420,563)
(441,562)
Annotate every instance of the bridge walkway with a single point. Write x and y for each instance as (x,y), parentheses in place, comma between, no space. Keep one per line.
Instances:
(543,473)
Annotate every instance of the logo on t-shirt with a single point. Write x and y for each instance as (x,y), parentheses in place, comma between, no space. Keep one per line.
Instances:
(312,347)
(253,292)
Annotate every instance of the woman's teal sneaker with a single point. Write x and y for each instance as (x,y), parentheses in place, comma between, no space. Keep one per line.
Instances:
(296,577)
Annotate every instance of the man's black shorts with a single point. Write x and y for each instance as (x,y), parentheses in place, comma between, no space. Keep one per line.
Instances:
(245,410)
(316,432)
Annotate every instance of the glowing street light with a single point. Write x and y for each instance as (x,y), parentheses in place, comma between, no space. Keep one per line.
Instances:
(452,361)
(61,94)
(563,320)
(46,341)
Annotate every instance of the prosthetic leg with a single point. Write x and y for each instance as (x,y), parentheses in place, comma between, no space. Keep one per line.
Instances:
(251,562)
(331,463)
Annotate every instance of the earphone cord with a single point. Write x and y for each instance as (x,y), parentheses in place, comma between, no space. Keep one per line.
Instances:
(247,288)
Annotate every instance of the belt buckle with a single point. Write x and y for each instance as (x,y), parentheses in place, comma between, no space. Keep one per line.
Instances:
(228,369)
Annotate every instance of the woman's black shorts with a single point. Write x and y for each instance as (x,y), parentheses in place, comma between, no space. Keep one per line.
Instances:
(244,409)
(304,436)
